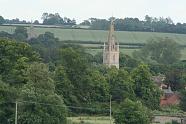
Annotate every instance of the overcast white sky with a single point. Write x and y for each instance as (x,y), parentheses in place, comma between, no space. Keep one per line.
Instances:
(84,9)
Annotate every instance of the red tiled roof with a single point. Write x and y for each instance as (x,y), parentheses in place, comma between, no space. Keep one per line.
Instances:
(174,99)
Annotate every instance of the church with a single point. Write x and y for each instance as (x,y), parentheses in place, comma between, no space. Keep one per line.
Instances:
(111,49)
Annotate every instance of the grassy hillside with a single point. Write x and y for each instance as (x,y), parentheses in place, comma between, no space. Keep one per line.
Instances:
(101,36)
(130,51)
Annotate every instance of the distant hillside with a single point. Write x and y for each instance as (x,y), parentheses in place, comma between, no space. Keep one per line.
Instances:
(93,39)
(100,35)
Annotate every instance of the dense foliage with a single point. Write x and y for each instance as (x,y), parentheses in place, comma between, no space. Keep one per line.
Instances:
(40,104)
(29,84)
(159,50)
(149,24)
(15,58)
(2,20)
(145,88)
(131,112)
(183,100)
(51,80)
(56,19)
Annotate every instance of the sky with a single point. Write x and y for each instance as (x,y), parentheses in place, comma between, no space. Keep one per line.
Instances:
(84,9)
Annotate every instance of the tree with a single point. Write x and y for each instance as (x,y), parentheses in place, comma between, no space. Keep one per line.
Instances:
(8,96)
(99,24)
(130,112)
(15,58)
(46,45)
(121,84)
(74,62)
(183,100)
(2,20)
(36,22)
(148,19)
(144,88)
(159,50)
(64,86)
(176,79)
(43,105)
(44,16)
(52,19)
(128,62)
(94,87)
(89,84)
(20,34)
(4,34)
(85,22)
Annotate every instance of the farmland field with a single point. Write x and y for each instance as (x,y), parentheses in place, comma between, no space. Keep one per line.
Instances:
(101,36)
(130,51)
(125,51)
(89,120)
(106,120)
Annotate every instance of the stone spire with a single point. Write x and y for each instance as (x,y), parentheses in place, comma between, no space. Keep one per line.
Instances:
(111,31)
(111,49)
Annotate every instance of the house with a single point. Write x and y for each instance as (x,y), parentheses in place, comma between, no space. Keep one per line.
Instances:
(169,97)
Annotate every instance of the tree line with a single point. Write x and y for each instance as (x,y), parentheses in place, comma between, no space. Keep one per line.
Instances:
(47,18)
(43,90)
(149,24)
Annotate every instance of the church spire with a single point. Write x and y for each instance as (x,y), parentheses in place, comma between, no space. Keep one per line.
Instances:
(111,49)
(111,31)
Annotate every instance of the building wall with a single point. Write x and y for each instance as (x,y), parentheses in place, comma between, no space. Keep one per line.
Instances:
(111,58)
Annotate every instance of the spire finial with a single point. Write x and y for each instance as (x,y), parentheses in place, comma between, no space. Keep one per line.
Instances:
(111,31)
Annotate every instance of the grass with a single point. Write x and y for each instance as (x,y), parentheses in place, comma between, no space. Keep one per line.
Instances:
(183,52)
(125,51)
(100,35)
(89,120)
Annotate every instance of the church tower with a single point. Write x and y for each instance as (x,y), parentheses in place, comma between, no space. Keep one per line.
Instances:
(31,32)
(111,49)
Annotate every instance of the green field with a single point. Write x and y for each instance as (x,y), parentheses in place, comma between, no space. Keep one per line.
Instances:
(101,36)
(89,120)
(130,51)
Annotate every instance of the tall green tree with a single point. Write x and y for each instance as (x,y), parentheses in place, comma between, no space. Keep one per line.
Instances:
(183,100)
(20,34)
(121,84)
(47,45)
(15,58)
(64,86)
(127,62)
(2,20)
(176,79)
(89,85)
(94,87)
(8,97)
(130,112)
(159,50)
(144,88)
(39,104)
(74,63)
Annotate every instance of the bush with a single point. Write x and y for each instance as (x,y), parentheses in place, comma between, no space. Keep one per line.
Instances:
(131,112)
